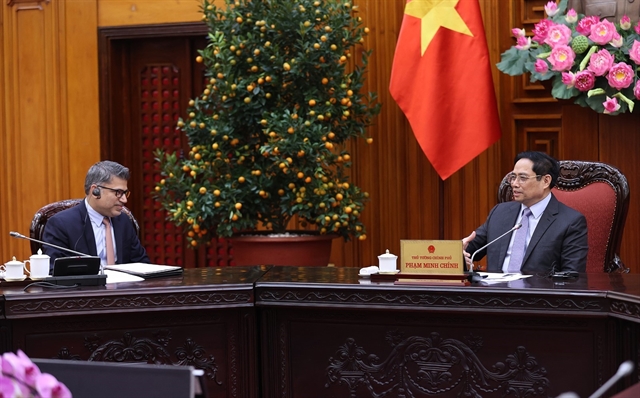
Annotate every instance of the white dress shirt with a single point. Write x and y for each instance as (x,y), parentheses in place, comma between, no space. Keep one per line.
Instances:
(99,234)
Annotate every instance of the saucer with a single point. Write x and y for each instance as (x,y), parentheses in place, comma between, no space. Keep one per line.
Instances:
(389,272)
(33,278)
(23,277)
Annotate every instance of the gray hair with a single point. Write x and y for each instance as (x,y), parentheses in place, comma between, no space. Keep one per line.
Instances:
(102,172)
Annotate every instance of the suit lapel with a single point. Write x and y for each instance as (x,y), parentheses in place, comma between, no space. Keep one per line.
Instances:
(117,226)
(511,216)
(548,217)
(89,238)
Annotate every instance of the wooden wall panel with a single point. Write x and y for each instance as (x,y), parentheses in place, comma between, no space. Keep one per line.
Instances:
(32,129)
(392,169)
(470,193)
(81,107)
(408,199)
(120,13)
(567,131)
(619,145)
(580,126)
(50,118)
(4,196)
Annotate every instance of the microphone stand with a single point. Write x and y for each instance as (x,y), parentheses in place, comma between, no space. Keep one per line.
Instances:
(17,235)
(474,276)
(69,280)
(624,369)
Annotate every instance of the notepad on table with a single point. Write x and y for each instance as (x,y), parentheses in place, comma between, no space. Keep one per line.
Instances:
(120,277)
(146,270)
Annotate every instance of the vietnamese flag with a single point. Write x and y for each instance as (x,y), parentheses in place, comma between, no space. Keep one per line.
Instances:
(441,79)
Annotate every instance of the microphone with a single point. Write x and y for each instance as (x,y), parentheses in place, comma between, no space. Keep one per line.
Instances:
(517,226)
(17,235)
(624,370)
(69,280)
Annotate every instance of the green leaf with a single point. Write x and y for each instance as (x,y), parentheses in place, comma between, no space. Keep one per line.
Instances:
(560,90)
(513,61)
(595,102)
(559,17)
(626,100)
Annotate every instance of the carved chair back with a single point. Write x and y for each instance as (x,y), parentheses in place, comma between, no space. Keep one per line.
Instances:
(601,193)
(46,212)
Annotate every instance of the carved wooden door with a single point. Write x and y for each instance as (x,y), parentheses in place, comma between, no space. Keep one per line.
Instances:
(149,76)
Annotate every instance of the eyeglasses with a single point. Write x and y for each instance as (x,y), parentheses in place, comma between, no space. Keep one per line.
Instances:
(118,192)
(522,179)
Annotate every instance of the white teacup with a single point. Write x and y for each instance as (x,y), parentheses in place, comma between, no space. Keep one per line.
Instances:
(14,269)
(38,265)
(387,262)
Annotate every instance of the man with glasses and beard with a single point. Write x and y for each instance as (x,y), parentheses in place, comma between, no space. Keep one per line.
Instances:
(97,226)
(552,236)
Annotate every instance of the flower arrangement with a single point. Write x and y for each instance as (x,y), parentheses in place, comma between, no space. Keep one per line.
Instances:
(269,134)
(19,377)
(592,60)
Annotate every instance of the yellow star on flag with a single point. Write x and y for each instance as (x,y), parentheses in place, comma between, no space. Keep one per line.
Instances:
(433,15)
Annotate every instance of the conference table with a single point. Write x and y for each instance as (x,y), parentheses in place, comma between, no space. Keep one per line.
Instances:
(327,332)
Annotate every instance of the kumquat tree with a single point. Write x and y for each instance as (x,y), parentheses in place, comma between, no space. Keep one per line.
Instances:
(268,135)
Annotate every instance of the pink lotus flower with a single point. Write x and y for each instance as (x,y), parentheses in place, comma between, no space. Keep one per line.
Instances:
(611,105)
(584,80)
(561,58)
(523,43)
(7,388)
(600,62)
(541,30)
(558,35)
(620,76)
(517,32)
(602,32)
(590,56)
(584,26)
(541,66)
(48,387)
(636,90)
(634,53)
(617,40)
(625,23)
(568,79)
(551,8)
(19,377)
(572,16)
(20,367)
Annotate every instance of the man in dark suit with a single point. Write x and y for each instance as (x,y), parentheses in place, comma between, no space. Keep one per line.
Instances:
(97,226)
(553,236)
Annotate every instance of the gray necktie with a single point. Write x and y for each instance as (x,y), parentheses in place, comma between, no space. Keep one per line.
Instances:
(519,243)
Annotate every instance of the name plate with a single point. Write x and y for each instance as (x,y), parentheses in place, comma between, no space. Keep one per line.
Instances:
(431,257)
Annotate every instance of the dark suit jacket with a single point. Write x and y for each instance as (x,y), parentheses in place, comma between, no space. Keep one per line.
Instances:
(559,241)
(72,229)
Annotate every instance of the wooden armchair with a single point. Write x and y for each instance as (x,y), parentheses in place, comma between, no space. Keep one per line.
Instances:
(601,193)
(46,212)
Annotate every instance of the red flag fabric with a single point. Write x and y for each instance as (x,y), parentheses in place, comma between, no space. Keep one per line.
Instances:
(441,79)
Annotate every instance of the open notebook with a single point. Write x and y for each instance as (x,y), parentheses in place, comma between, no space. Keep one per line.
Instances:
(146,270)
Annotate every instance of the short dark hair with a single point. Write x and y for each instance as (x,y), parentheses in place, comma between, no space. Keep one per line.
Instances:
(102,172)
(543,164)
